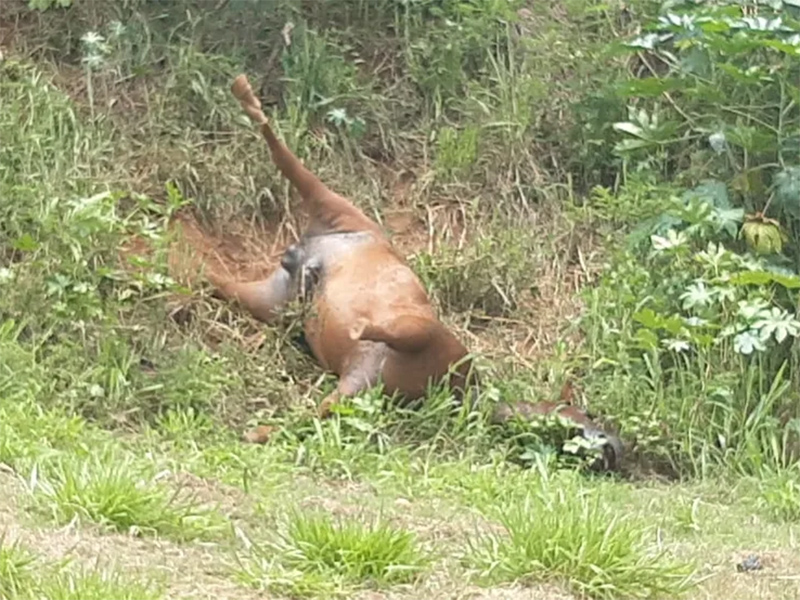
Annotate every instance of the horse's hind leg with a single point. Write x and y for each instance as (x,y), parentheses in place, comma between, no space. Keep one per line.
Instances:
(329,211)
(262,299)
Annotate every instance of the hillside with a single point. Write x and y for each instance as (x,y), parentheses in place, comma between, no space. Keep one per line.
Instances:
(599,193)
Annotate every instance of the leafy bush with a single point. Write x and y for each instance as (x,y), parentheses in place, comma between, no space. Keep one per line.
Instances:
(692,341)
(716,96)
(692,327)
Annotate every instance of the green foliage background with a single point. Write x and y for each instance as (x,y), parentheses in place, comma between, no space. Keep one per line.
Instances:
(670,130)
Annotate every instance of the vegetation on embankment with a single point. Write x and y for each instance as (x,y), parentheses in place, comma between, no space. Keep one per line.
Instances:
(602,190)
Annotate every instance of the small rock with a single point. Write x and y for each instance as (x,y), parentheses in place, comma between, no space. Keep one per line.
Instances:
(751,563)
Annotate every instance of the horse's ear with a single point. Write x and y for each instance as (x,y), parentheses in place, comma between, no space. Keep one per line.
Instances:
(567,392)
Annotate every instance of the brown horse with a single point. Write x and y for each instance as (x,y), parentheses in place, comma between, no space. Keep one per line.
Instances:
(371,319)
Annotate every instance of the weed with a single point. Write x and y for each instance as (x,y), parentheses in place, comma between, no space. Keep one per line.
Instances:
(23,576)
(780,495)
(687,517)
(115,492)
(318,555)
(492,276)
(97,585)
(569,535)
(374,552)
(16,569)
(456,151)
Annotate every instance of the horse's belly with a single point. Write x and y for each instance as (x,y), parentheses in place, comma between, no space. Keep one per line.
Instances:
(365,284)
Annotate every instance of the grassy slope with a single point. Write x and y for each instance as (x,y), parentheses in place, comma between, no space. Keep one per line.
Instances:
(118,436)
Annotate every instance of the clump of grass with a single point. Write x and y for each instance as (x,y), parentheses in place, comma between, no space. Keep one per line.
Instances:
(318,556)
(780,495)
(491,277)
(16,565)
(97,585)
(686,518)
(570,536)
(24,577)
(115,492)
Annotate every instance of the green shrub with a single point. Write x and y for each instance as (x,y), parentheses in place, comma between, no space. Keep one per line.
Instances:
(716,97)
(692,341)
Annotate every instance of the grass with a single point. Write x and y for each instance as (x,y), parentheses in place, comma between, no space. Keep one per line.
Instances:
(316,554)
(780,495)
(26,576)
(571,535)
(113,491)
(93,585)
(16,569)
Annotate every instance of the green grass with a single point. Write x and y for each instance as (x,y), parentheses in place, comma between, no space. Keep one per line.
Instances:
(567,533)
(319,554)
(780,495)
(94,585)
(16,569)
(111,489)
(26,576)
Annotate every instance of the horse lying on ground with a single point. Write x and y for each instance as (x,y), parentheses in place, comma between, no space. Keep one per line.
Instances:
(371,319)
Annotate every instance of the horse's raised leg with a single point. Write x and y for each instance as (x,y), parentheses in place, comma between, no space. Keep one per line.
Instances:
(329,211)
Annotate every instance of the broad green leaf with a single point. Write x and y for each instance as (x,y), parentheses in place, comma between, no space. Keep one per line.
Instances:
(711,191)
(25,243)
(729,219)
(673,325)
(646,339)
(676,345)
(763,278)
(696,295)
(630,128)
(752,139)
(648,87)
(649,318)
(763,238)
(777,323)
(746,342)
(785,47)
(749,182)
(631,145)
(696,62)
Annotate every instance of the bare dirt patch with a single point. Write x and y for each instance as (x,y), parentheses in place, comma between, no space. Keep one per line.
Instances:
(454,590)
(779,577)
